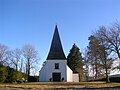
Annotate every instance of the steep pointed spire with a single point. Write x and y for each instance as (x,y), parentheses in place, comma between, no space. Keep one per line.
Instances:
(56,50)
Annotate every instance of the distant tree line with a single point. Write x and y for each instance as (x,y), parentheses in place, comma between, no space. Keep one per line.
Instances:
(17,64)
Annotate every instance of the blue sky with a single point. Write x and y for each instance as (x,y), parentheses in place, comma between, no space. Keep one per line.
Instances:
(33,21)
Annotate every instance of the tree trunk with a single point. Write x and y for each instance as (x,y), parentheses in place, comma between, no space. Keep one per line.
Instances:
(118,53)
(16,67)
(28,74)
(107,77)
(106,68)
(96,69)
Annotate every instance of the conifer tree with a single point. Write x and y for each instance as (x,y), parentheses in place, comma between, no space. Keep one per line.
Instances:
(75,61)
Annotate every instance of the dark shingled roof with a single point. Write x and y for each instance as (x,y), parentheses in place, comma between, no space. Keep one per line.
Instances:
(56,50)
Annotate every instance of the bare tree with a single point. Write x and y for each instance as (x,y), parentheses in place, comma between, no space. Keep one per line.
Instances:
(31,56)
(110,40)
(4,55)
(112,37)
(93,56)
(16,54)
(87,64)
(99,55)
(106,62)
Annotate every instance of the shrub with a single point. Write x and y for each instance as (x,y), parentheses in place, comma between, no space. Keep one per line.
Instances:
(112,79)
(3,74)
(9,75)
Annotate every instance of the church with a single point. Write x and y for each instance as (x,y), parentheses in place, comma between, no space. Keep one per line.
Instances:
(55,68)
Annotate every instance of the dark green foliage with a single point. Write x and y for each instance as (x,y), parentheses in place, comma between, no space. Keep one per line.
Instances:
(112,79)
(3,73)
(75,61)
(33,78)
(9,75)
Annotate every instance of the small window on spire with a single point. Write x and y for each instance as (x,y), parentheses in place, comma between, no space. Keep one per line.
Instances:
(56,65)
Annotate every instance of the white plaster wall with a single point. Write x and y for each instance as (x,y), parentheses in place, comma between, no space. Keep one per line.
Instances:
(49,68)
(75,77)
(69,74)
(42,74)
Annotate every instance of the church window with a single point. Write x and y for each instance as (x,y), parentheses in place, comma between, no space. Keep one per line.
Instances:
(56,65)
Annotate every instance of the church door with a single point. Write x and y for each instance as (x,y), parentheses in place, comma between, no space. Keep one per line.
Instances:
(56,77)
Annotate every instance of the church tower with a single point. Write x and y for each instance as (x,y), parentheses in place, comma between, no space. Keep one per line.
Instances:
(56,50)
(55,67)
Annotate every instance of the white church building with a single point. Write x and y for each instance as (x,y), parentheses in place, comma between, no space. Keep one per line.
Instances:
(55,67)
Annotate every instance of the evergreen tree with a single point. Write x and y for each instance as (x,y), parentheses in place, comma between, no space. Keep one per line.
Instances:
(75,61)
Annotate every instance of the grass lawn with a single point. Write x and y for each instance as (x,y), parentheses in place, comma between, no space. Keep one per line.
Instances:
(48,85)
